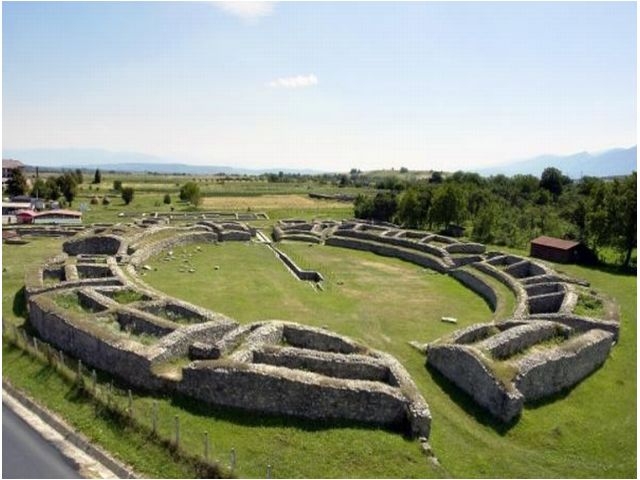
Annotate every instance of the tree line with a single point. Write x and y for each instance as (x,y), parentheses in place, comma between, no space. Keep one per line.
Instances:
(510,211)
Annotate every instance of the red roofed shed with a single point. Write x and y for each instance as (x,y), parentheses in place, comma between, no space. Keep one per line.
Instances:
(555,249)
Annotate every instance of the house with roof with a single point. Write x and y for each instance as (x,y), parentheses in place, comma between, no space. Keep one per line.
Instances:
(51,217)
(556,249)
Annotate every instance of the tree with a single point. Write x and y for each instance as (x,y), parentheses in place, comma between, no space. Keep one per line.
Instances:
(382,207)
(117,185)
(436,177)
(77,175)
(553,180)
(190,192)
(127,195)
(68,186)
(363,206)
(484,224)
(97,177)
(39,189)
(17,184)
(409,212)
(167,199)
(448,205)
(623,220)
(52,189)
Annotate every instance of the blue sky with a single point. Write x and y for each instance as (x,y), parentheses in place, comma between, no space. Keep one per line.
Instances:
(325,85)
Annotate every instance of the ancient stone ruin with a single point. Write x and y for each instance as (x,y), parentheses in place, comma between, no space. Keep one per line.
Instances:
(91,302)
(543,349)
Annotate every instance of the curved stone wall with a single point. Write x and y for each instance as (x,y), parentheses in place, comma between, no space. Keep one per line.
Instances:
(93,244)
(309,372)
(288,368)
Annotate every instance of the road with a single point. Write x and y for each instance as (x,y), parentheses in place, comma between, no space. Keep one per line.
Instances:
(26,455)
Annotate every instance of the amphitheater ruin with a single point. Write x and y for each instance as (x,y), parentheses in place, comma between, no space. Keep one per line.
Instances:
(92,302)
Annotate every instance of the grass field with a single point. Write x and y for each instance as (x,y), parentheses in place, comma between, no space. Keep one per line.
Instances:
(577,435)
(588,432)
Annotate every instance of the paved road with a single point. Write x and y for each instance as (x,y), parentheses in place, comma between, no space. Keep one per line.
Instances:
(26,455)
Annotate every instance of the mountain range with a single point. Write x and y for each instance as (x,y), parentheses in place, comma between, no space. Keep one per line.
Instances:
(613,162)
(609,163)
(135,162)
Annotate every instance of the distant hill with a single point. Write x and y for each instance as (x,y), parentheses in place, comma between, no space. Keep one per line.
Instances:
(134,162)
(618,161)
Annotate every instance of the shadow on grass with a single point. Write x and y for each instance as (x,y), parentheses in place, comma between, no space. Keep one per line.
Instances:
(611,269)
(466,402)
(20,303)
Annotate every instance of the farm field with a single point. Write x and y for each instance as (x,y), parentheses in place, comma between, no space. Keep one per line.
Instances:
(384,303)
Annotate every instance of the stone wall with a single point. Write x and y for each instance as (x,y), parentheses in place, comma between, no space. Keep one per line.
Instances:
(521,308)
(469,248)
(94,301)
(419,258)
(179,311)
(581,324)
(306,275)
(518,338)
(554,370)
(525,269)
(93,244)
(390,240)
(177,343)
(357,367)
(477,285)
(92,270)
(147,251)
(109,352)
(265,388)
(547,303)
(462,367)
(317,339)
(143,323)
(472,333)
(543,288)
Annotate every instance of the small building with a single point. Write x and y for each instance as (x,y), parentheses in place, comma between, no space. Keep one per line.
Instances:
(58,217)
(11,208)
(8,167)
(556,249)
(26,216)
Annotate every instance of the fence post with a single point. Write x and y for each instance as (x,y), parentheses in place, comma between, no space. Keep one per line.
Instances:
(35,344)
(79,371)
(206,446)
(130,404)
(94,381)
(154,416)
(61,359)
(177,426)
(232,459)
(268,471)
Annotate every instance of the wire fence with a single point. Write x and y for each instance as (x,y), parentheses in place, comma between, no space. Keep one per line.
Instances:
(142,413)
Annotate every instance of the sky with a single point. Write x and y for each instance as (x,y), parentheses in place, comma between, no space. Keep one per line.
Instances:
(328,86)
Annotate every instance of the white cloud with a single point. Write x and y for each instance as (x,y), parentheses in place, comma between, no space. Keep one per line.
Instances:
(247,11)
(298,81)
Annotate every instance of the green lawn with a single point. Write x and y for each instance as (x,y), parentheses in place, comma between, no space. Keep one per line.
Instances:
(382,302)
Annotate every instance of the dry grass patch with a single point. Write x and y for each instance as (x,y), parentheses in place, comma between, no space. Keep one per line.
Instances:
(268,202)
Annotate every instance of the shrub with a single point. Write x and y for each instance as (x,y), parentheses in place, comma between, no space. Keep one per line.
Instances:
(127,195)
